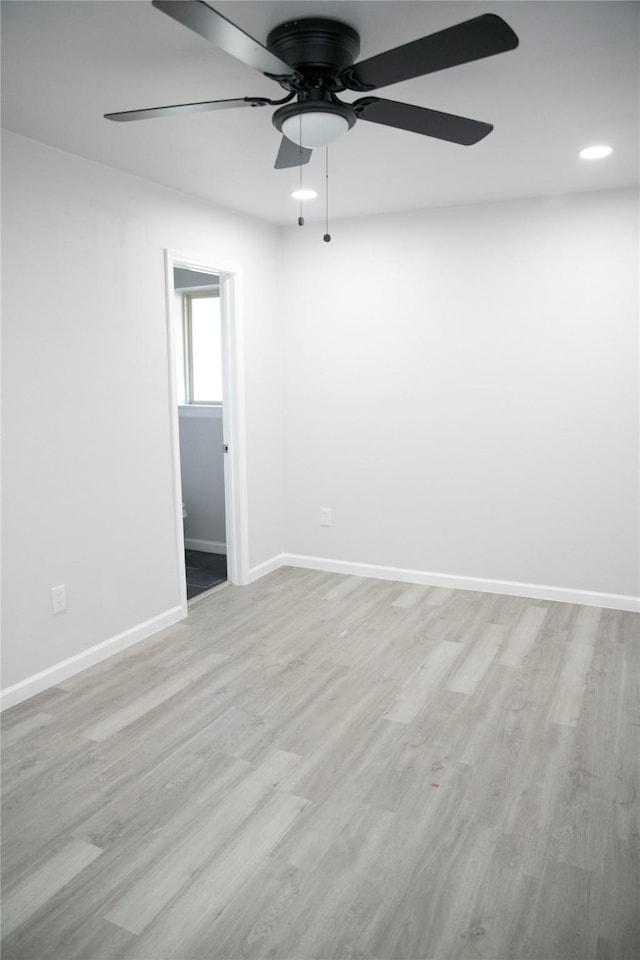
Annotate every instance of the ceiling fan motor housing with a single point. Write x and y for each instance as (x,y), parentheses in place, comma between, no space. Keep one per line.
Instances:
(315,44)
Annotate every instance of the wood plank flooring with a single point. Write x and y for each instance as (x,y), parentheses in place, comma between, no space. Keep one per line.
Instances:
(320,766)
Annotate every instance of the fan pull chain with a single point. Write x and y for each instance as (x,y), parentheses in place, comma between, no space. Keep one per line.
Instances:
(327,235)
(300,218)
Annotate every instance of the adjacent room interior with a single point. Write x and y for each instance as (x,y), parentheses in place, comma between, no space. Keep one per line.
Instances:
(406,726)
(198,339)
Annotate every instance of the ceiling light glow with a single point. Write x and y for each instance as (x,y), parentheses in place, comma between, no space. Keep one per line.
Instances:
(595,153)
(304,194)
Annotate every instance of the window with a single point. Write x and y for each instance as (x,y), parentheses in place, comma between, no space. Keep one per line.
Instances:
(202,347)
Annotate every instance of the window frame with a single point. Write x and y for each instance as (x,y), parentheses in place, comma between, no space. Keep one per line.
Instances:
(187,340)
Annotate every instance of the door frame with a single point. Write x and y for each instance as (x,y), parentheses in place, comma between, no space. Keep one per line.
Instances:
(233,411)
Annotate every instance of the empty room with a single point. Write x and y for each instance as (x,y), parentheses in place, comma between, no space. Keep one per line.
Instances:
(320,480)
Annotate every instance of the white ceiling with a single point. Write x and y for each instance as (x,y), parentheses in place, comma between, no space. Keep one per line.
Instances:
(573,81)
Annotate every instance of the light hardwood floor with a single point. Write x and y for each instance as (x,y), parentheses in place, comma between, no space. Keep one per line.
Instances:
(320,766)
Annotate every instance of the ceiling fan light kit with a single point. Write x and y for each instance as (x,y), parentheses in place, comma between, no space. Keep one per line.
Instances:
(313,123)
(313,60)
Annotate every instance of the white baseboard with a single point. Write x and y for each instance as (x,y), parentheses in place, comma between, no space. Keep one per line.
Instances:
(101,651)
(87,658)
(206,546)
(262,569)
(612,601)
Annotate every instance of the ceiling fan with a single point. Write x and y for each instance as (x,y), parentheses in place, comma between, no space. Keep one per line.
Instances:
(313,60)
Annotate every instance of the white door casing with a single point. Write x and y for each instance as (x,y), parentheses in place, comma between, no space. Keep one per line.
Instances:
(233,414)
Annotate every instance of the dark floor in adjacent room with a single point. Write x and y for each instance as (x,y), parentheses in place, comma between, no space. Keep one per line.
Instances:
(204,571)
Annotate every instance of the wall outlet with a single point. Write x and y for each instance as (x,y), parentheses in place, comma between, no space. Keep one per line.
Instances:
(325,516)
(59,598)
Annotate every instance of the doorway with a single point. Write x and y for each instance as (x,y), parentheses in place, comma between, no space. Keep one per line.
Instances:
(207,437)
(200,409)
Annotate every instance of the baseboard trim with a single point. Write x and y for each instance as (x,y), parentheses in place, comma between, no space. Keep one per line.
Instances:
(611,601)
(87,658)
(29,687)
(262,569)
(206,546)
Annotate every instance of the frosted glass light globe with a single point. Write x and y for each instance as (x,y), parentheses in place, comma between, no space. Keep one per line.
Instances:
(314,128)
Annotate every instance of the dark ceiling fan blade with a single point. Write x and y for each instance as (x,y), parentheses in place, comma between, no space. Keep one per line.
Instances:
(430,123)
(204,20)
(181,108)
(291,155)
(474,39)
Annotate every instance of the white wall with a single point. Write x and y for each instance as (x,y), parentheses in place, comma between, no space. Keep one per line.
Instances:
(87,486)
(461,387)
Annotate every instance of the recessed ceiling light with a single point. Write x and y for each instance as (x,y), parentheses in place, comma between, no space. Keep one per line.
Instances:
(595,153)
(304,194)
